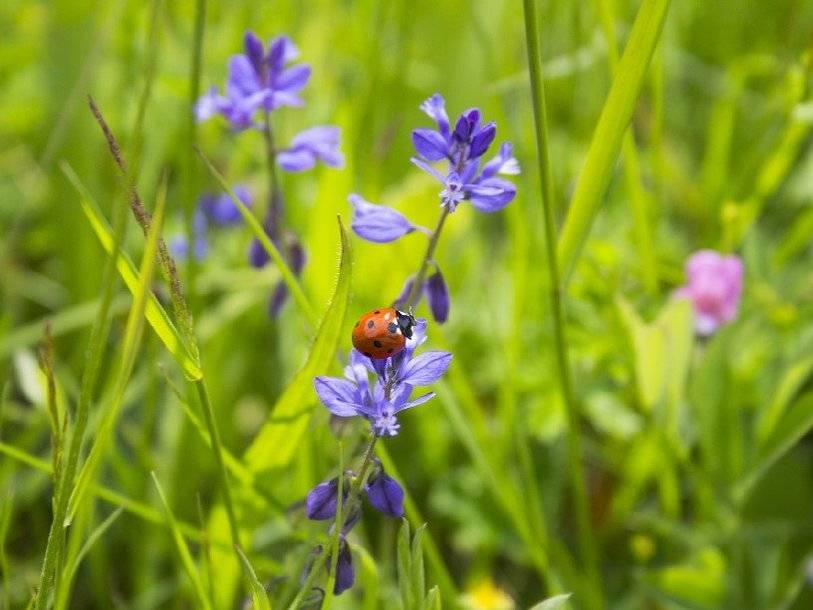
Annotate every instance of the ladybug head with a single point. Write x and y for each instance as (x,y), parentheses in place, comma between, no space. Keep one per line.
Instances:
(405,322)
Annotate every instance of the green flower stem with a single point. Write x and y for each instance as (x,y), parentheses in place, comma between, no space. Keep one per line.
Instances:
(574,449)
(274,192)
(217,449)
(415,293)
(320,561)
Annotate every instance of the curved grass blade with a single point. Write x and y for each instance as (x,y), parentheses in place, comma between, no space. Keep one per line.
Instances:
(156,315)
(98,532)
(132,340)
(259,597)
(608,135)
(183,551)
(280,435)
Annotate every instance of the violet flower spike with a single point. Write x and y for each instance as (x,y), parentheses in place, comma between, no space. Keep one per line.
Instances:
(379,223)
(353,395)
(221,210)
(319,143)
(345,574)
(386,495)
(714,286)
(321,502)
(257,80)
(437,294)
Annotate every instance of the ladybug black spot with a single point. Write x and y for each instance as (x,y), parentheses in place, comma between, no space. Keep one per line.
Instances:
(371,324)
(392,349)
(368,354)
(377,311)
(392,327)
(377,343)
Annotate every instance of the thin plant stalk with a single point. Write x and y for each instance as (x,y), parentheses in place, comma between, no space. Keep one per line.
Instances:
(217,449)
(417,284)
(95,352)
(320,561)
(195,66)
(574,445)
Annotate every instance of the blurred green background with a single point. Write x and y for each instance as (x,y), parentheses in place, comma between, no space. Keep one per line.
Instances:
(697,455)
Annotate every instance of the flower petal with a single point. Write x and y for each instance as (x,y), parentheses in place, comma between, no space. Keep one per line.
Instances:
(429,170)
(320,504)
(492,194)
(255,50)
(418,401)
(426,368)
(345,575)
(400,301)
(293,79)
(338,395)
(296,160)
(482,139)
(437,294)
(429,144)
(386,495)
(435,107)
(378,223)
(243,79)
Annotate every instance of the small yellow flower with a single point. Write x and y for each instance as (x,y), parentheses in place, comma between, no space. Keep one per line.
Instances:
(485,595)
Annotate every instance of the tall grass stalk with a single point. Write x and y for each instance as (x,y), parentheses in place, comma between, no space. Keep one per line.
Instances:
(639,197)
(93,361)
(574,445)
(609,132)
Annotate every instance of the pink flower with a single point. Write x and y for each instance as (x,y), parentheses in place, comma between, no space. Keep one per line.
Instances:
(714,287)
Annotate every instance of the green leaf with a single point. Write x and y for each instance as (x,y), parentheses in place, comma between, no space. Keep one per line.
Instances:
(132,340)
(155,314)
(183,551)
(432,600)
(404,561)
(279,437)
(95,535)
(418,577)
(259,596)
(612,124)
(794,424)
(557,601)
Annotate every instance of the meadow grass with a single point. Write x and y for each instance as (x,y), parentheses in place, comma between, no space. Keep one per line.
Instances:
(159,431)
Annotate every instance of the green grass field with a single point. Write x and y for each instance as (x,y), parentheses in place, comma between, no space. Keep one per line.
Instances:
(160,431)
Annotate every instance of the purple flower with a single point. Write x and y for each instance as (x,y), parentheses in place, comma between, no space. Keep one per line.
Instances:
(345,575)
(469,140)
(385,494)
(179,244)
(437,294)
(388,395)
(321,502)
(714,286)
(256,80)
(462,148)
(319,143)
(221,210)
(487,195)
(378,223)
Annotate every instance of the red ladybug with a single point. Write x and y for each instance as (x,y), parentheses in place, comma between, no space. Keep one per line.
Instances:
(382,333)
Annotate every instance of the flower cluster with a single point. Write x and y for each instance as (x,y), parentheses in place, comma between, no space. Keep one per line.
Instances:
(394,380)
(260,81)
(211,210)
(463,179)
(714,286)
(383,493)
(378,400)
